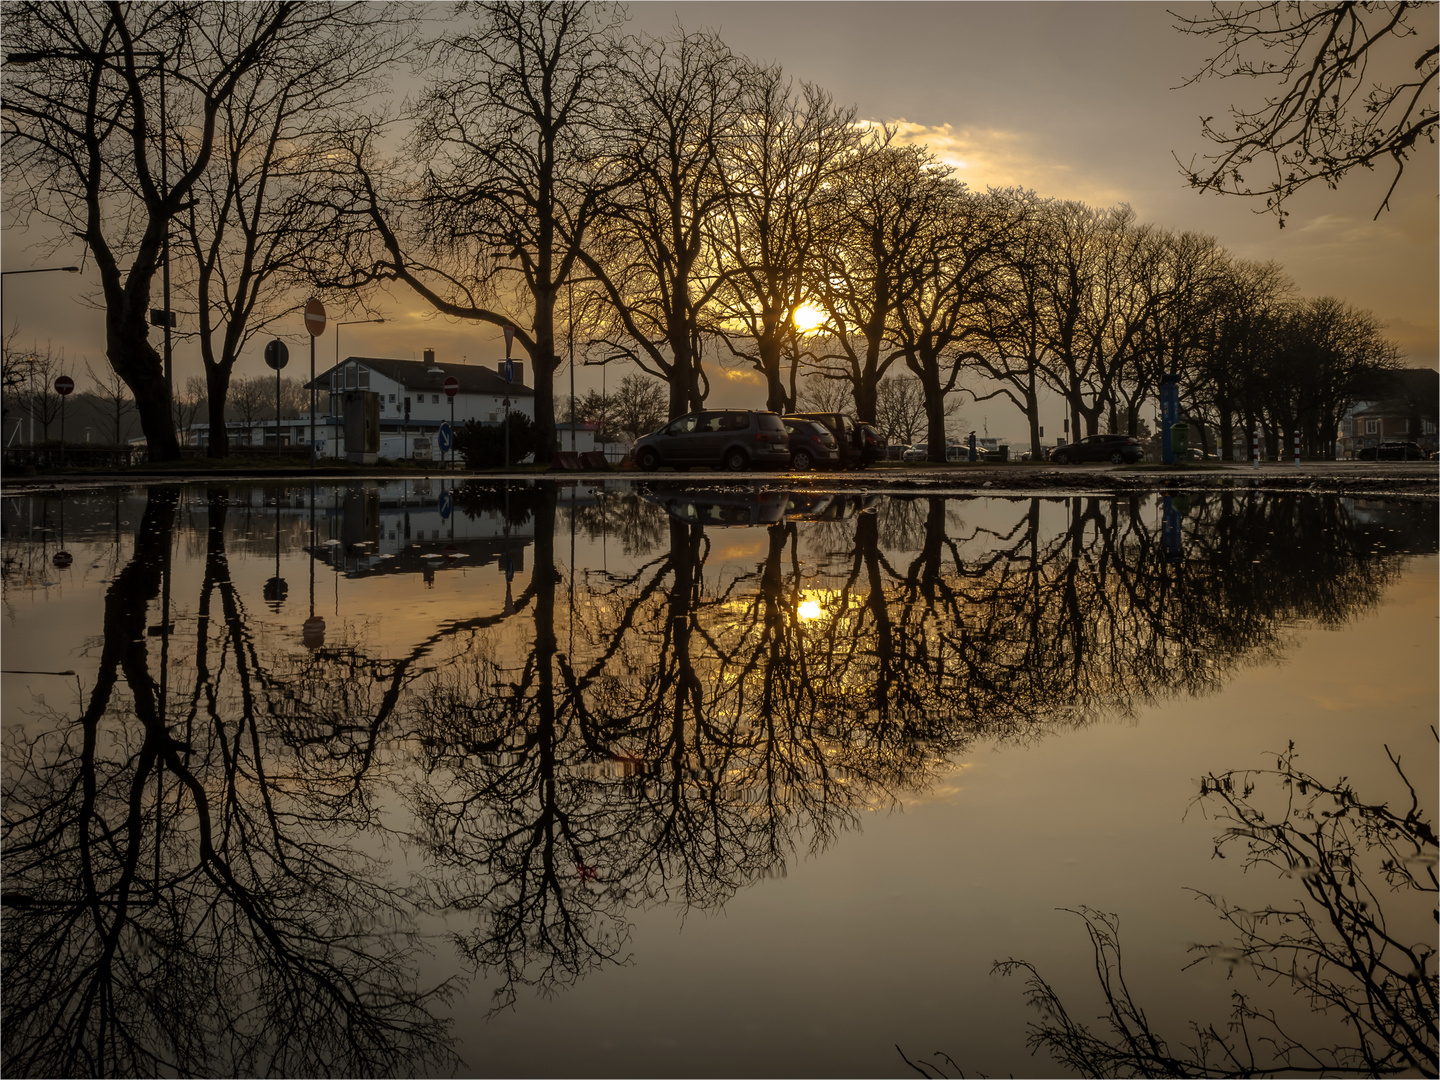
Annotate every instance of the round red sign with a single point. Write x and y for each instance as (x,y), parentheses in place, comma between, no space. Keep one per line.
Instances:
(64,384)
(62,560)
(452,386)
(315,317)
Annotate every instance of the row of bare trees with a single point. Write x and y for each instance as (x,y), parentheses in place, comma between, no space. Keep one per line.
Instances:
(665,194)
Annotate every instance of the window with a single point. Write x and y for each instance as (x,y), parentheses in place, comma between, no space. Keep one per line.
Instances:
(1372,427)
(683,425)
(434,399)
(392,398)
(364,378)
(1405,426)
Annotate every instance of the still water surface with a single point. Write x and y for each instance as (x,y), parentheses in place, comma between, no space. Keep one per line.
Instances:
(614,779)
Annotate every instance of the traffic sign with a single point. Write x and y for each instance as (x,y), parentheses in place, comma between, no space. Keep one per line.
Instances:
(277,354)
(315,317)
(509,568)
(62,560)
(452,386)
(64,385)
(509,340)
(509,370)
(447,504)
(447,436)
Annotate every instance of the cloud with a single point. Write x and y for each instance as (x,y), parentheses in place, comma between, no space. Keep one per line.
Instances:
(992,157)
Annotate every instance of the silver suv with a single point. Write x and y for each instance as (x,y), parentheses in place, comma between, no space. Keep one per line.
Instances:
(733,439)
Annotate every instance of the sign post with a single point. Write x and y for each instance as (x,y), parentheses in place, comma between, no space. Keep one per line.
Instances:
(315,323)
(452,387)
(64,385)
(277,355)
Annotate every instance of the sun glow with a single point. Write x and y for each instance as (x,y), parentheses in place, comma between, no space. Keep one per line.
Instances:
(808,317)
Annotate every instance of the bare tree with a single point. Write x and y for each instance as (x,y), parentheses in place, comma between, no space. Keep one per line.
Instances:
(253,228)
(81,126)
(191,403)
(251,399)
(36,396)
(820,394)
(652,250)
(110,388)
(509,136)
(640,405)
(940,321)
(900,408)
(779,168)
(1324,111)
(886,209)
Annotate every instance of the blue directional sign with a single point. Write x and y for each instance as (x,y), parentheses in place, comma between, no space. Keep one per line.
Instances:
(509,370)
(447,503)
(509,568)
(447,437)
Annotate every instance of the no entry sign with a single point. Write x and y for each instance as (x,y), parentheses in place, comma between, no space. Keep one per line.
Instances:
(62,560)
(452,386)
(315,317)
(64,385)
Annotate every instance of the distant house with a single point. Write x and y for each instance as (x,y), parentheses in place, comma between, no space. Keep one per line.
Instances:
(1406,408)
(412,399)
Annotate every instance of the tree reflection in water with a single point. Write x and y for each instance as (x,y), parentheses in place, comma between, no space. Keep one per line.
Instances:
(1332,945)
(198,890)
(183,893)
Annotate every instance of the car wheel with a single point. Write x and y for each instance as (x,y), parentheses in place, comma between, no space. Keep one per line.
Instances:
(1117,458)
(1061,459)
(648,459)
(802,460)
(736,460)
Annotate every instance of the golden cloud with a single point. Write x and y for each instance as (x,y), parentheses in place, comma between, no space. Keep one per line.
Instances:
(991,157)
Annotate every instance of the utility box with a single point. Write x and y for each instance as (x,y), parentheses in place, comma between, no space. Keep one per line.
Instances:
(1180,438)
(362,427)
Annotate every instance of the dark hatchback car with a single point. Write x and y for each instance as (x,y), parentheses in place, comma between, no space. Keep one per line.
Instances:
(1118,449)
(859,444)
(812,444)
(733,439)
(1392,451)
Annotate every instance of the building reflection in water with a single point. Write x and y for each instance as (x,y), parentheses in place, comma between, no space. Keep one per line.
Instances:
(199,869)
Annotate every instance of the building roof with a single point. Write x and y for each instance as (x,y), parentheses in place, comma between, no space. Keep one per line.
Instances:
(430,377)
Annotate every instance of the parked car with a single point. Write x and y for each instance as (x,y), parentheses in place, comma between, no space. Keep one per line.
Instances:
(733,439)
(1119,449)
(812,444)
(857,450)
(1391,451)
(740,508)
(918,452)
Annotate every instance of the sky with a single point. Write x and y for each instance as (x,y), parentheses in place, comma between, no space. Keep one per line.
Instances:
(1072,100)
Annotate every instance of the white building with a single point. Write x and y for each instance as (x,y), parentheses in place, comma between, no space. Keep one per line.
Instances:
(413,402)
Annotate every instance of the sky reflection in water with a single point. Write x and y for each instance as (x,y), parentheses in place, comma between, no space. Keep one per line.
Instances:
(494,756)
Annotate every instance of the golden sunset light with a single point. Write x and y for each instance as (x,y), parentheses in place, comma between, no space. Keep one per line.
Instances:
(808,317)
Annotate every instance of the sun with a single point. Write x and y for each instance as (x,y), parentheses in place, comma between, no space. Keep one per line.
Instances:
(808,317)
